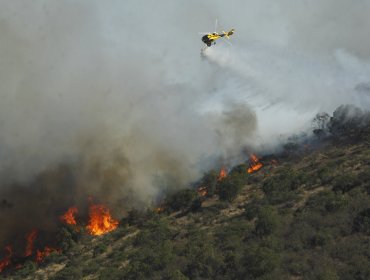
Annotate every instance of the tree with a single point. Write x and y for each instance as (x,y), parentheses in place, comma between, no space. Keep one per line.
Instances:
(267,221)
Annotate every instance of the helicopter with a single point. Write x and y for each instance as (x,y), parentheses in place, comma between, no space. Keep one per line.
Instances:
(210,38)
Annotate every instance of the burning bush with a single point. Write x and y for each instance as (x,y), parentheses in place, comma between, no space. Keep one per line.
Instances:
(209,181)
(69,217)
(254,164)
(101,221)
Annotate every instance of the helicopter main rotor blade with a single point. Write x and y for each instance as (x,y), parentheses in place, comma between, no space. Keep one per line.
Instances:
(216,23)
(226,41)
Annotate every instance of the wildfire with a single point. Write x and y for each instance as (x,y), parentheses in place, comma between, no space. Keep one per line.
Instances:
(69,216)
(101,221)
(159,209)
(6,260)
(222,175)
(30,240)
(254,164)
(202,191)
(40,255)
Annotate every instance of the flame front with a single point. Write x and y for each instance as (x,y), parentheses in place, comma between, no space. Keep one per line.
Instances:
(101,221)
(30,240)
(254,164)
(40,255)
(69,216)
(222,175)
(7,259)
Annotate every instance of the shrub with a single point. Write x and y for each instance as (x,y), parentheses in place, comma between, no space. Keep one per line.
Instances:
(67,237)
(345,183)
(110,273)
(203,260)
(101,248)
(361,222)
(134,217)
(91,267)
(209,180)
(181,200)
(230,187)
(176,275)
(259,261)
(267,221)
(69,272)
(28,268)
(325,175)
(327,201)
(281,187)
(251,210)
(348,120)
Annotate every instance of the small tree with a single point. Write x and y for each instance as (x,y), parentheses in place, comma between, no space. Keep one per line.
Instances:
(230,187)
(181,199)
(267,221)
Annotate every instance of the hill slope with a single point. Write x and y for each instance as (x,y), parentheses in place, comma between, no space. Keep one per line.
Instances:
(304,215)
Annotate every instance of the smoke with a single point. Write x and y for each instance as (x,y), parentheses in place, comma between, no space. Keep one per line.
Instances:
(118,94)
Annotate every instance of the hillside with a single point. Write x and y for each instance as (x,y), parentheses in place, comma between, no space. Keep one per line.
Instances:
(304,215)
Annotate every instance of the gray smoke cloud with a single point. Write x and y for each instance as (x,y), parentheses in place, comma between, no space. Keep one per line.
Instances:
(118,90)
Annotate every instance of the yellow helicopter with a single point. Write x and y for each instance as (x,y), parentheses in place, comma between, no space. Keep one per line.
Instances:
(210,38)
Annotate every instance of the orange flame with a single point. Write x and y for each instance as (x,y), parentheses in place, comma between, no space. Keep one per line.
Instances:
(202,191)
(69,216)
(159,209)
(254,164)
(101,221)
(6,260)
(222,175)
(30,240)
(40,255)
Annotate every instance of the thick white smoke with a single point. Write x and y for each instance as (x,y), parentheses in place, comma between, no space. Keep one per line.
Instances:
(121,85)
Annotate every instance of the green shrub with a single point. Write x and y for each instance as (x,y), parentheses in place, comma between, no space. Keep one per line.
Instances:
(203,259)
(134,217)
(111,273)
(230,187)
(67,237)
(28,268)
(181,200)
(91,268)
(69,272)
(327,201)
(176,275)
(251,210)
(267,221)
(281,187)
(101,248)
(209,180)
(325,175)
(259,261)
(361,222)
(345,183)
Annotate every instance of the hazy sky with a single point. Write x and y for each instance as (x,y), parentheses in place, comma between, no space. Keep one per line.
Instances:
(92,81)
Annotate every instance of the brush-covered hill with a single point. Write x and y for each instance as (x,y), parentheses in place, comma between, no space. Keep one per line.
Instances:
(304,215)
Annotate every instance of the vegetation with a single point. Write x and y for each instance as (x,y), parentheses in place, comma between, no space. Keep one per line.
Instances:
(306,218)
